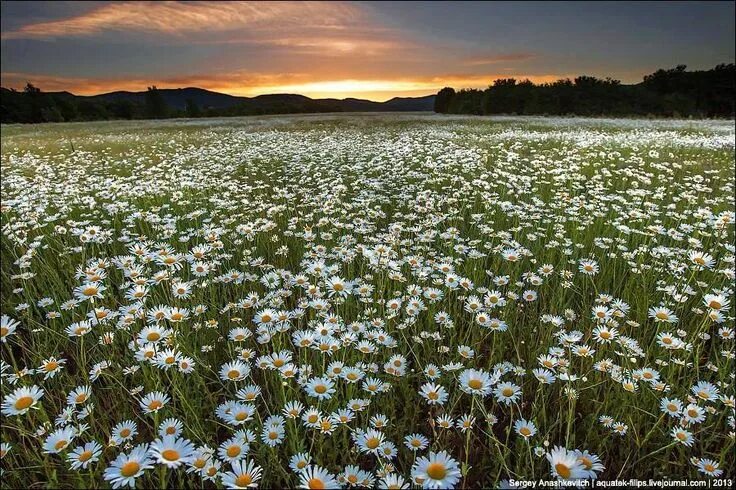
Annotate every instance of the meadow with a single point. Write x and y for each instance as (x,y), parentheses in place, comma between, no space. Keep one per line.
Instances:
(391,301)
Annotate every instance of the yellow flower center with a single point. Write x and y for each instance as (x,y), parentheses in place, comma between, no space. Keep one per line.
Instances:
(129,469)
(436,471)
(563,470)
(23,402)
(86,455)
(170,454)
(316,484)
(233,451)
(475,384)
(243,480)
(372,443)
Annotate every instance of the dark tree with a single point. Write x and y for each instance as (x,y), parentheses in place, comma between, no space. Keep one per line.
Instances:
(442,100)
(156,107)
(192,109)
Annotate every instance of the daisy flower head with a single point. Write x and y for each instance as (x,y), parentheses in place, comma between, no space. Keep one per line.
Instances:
(244,474)
(82,456)
(591,463)
(438,470)
(565,464)
(525,428)
(153,402)
(416,442)
(124,431)
(661,314)
(475,382)
(709,467)
(299,462)
(58,440)
(684,437)
(370,441)
(234,371)
(435,394)
(320,388)
(507,393)
(7,327)
(701,260)
(170,427)
(234,449)
(21,400)
(172,451)
(124,470)
(316,477)
(589,267)
(705,391)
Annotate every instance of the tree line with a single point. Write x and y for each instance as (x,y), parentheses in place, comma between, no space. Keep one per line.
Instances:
(31,105)
(665,93)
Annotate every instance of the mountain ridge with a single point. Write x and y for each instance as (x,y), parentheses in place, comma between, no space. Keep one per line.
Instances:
(176,98)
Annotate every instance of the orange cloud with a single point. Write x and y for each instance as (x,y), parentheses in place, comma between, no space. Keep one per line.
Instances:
(249,84)
(180,18)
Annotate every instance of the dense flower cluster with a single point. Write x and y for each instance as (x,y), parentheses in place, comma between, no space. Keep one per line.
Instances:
(392,301)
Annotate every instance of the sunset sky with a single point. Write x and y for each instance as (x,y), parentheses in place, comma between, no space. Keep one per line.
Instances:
(351,49)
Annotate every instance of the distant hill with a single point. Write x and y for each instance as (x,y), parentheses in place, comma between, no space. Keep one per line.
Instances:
(176,98)
(33,105)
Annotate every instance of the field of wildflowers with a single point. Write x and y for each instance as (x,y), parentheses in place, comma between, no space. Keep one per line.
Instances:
(377,301)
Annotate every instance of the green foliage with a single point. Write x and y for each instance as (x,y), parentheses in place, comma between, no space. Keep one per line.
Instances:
(669,93)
